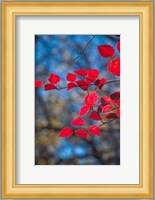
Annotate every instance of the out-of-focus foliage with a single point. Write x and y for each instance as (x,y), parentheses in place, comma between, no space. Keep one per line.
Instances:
(55,109)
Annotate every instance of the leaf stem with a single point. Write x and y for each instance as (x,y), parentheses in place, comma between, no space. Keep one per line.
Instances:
(103,123)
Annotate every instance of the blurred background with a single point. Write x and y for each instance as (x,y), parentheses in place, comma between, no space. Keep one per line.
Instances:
(55,109)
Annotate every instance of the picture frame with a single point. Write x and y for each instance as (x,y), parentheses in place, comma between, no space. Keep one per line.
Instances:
(10,10)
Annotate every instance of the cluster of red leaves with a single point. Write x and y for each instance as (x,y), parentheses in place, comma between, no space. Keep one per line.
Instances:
(92,130)
(53,80)
(108,108)
(95,108)
(89,77)
(107,51)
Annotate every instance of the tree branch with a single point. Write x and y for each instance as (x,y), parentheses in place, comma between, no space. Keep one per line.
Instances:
(84,48)
(107,82)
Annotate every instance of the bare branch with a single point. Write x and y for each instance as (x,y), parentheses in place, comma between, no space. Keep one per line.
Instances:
(84,48)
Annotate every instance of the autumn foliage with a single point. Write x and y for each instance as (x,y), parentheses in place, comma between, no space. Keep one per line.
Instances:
(99,109)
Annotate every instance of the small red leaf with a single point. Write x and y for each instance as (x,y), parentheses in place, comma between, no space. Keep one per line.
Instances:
(114,67)
(110,116)
(106,108)
(115,95)
(105,100)
(81,72)
(71,77)
(87,102)
(118,112)
(54,78)
(84,110)
(106,50)
(50,87)
(91,99)
(66,132)
(82,84)
(82,133)
(93,74)
(94,115)
(117,102)
(100,82)
(70,86)
(78,122)
(99,109)
(94,130)
(118,46)
(88,81)
(38,83)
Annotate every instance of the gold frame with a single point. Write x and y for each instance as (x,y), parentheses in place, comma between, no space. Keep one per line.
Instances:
(145,12)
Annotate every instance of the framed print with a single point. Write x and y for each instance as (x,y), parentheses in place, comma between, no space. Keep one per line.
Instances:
(77,99)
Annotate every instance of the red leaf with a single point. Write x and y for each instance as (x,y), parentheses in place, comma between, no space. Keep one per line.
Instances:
(94,115)
(110,116)
(114,67)
(106,50)
(82,133)
(118,112)
(117,102)
(82,84)
(84,110)
(99,109)
(94,130)
(105,100)
(78,122)
(38,83)
(54,78)
(100,82)
(106,108)
(70,86)
(88,81)
(115,95)
(118,46)
(87,102)
(81,72)
(91,99)
(66,132)
(50,87)
(71,77)
(93,74)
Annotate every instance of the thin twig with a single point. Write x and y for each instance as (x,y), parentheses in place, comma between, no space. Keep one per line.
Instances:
(106,122)
(81,52)
(111,81)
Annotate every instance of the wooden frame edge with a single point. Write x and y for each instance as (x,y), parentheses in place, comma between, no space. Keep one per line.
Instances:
(12,192)
(4,193)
